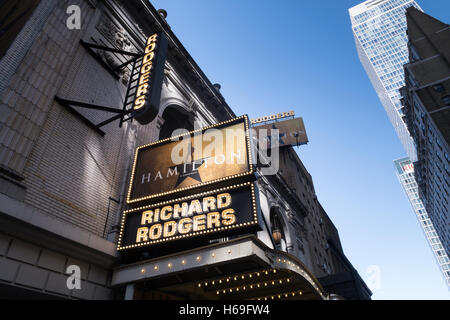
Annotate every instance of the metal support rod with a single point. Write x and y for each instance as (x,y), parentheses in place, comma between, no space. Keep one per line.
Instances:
(96,46)
(87,105)
(117,117)
(79,115)
(124,64)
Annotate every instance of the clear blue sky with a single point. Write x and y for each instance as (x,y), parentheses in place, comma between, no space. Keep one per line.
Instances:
(272,56)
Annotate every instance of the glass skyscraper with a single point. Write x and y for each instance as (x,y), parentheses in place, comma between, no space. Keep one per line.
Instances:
(379,28)
(405,173)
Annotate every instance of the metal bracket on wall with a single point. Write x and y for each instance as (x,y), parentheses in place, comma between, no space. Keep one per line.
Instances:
(113,71)
(136,60)
(69,104)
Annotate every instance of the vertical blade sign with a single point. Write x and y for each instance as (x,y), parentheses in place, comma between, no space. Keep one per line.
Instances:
(148,93)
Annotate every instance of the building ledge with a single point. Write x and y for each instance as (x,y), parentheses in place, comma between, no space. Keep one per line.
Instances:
(28,223)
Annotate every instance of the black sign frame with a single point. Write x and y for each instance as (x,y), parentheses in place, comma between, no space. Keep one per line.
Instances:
(242,226)
(248,174)
(151,79)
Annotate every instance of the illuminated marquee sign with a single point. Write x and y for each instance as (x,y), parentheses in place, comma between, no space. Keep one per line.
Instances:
(216,154)
(273,117)
(224,211)
(148,92)
(291,132)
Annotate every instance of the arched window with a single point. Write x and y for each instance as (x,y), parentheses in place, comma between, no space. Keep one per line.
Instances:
(175,118)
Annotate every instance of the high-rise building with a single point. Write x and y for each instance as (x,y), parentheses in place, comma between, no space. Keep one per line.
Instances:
(380,31)
(426,98)
(405,173)
(379,28)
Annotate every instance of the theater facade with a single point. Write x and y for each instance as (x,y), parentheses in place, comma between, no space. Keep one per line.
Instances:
(89,182)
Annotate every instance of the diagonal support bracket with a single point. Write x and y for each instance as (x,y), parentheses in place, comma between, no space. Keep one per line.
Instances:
(113,71)
(69,104)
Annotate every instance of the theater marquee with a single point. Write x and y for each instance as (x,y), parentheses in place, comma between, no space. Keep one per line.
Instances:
(225,211)
(216,154)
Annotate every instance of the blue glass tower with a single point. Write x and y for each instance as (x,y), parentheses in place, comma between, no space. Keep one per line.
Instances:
(379,28)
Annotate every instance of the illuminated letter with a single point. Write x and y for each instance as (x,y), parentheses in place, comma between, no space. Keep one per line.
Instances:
(150,48)
(213,220)
(153,38)
(142,90)
(223,200)
(155,235)
(146,68)
(144,78)
(166,213)
(156,216)
(209,204)
(173,229)
(194,208)
(199,222)
(142,235)
(185,226)
(147,217)
(148,57)
(228,217)
(177,210)
(139,103)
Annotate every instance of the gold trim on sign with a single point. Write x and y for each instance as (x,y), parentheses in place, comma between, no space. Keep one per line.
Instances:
(249,164)
(196,196)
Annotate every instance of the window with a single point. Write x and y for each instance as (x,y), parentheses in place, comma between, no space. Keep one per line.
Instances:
(439,87)
(446,100)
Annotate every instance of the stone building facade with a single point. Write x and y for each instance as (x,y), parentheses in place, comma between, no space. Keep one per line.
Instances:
(63,178)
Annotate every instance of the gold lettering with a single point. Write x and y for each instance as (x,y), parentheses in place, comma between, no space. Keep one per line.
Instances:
(147,217)
(153,38)
(209,204)
(148,57)
(142,90)
(156,216)
(142,235)
(185,226)
(223,200)
(146,68)
(144,78)
(150,48)
(155,232)
(199,222)
(177,209)
(166,213)
(194,208)
(173,229)
(228,217)
(139,103)
(213,220)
